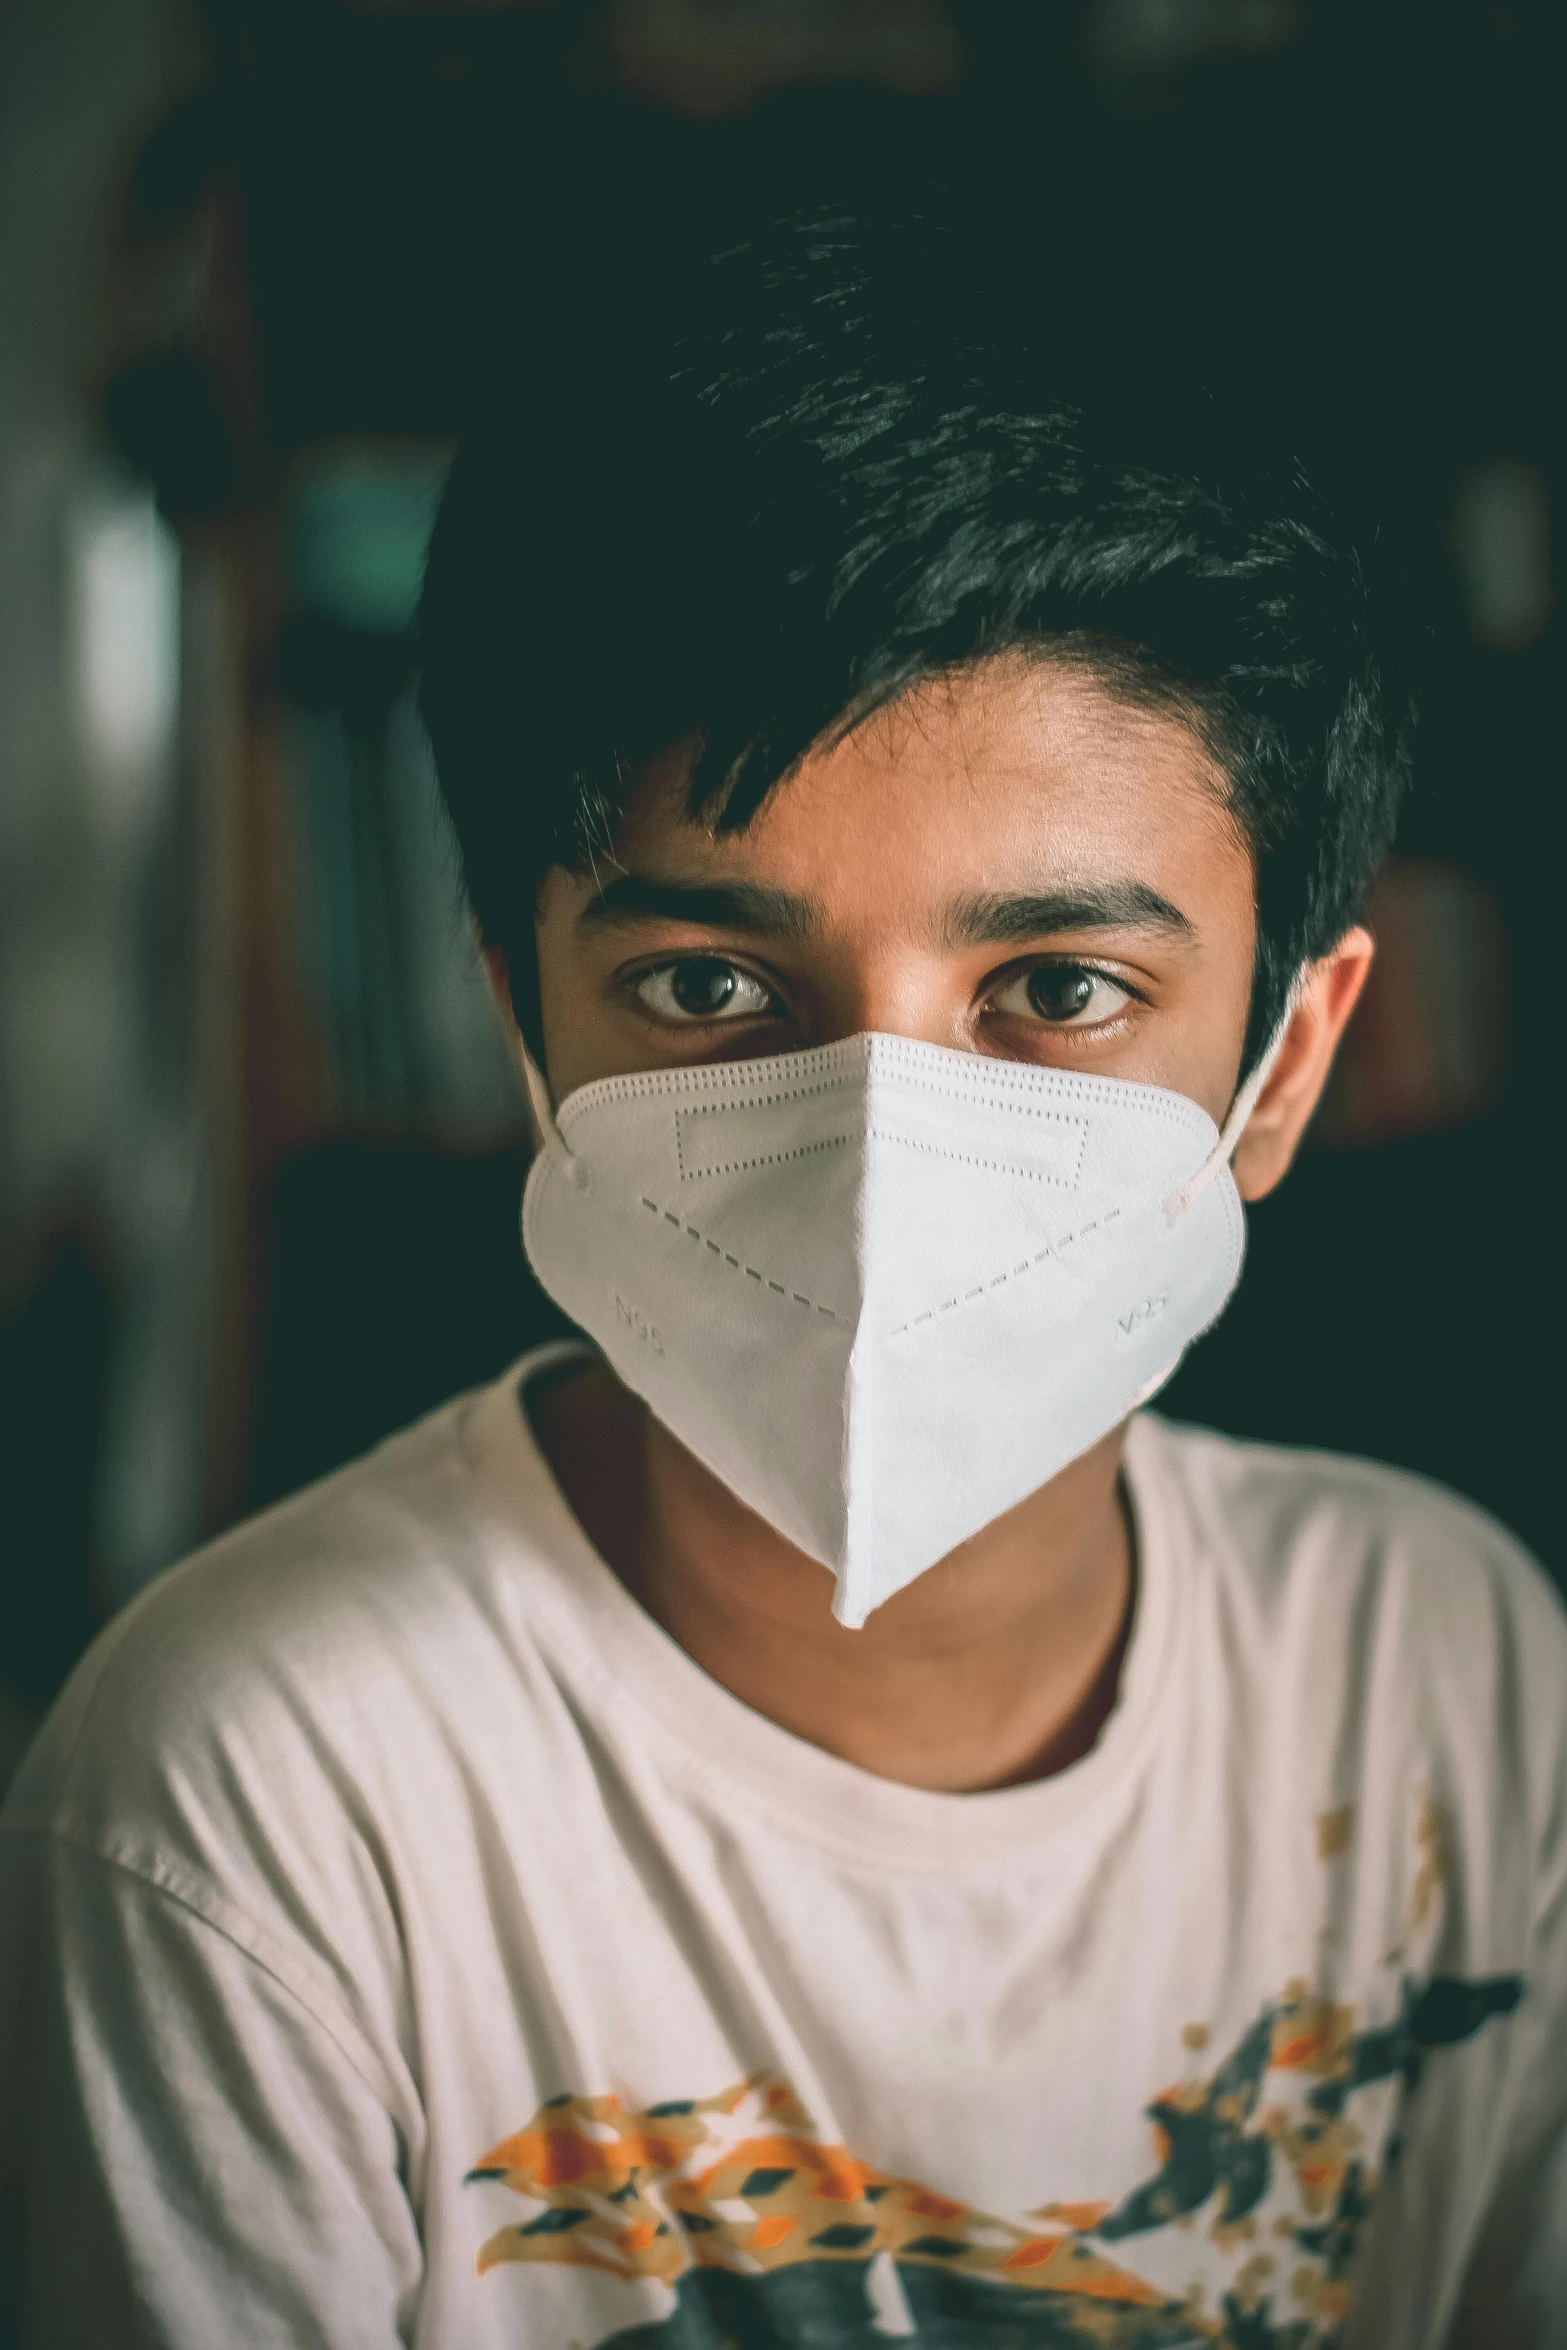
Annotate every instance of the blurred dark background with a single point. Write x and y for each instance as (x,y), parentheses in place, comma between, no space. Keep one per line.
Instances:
(260,1146)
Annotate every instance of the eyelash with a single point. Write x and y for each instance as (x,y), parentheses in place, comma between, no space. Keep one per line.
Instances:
(1067,968)
(636,981)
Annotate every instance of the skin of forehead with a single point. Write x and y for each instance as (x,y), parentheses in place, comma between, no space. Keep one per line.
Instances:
(1007,742)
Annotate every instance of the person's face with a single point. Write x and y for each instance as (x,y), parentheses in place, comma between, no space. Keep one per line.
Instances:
(1011,862)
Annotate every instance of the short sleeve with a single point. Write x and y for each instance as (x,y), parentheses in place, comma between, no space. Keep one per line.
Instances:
(1514,2294)
(195,2158)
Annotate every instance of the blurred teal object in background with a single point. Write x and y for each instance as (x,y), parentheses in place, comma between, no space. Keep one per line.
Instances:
(357,521)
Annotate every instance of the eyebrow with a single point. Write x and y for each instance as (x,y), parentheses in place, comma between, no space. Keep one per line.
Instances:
(740,905)
(1109,905)
(990,920)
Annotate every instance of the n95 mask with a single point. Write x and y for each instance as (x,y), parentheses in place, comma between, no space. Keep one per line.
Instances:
(883,1290)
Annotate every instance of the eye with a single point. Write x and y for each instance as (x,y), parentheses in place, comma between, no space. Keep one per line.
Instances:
(702,987)
(1066,995)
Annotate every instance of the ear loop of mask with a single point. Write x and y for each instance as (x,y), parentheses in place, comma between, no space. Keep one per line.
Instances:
(544,1114)
(538,1093)
(1240,1111)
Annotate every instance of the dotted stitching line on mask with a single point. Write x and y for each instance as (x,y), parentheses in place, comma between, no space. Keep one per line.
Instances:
(1022,1076)
(802,1150)
(1065,1086)
(739,1097)
(1009,1076)
(936,1150)
(999,1280)
(738,1264)
(805,1150)
(743,1100)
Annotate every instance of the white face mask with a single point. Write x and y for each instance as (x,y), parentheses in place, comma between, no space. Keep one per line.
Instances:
(884,1291)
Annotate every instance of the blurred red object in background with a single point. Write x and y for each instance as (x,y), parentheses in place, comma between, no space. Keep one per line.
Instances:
(1428,1046)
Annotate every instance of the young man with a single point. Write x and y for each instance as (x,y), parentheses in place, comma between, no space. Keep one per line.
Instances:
(805,1818)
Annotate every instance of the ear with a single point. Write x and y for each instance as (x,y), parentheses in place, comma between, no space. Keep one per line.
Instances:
(1294,1088)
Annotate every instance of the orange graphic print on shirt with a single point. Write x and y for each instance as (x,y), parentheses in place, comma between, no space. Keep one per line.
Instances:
(741,2181)
(764,2234)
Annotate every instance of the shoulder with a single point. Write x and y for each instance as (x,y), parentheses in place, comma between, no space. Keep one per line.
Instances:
(1414,1604)
(258,1692)
(1279,1517)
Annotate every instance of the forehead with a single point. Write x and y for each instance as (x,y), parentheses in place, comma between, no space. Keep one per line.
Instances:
(1015,771)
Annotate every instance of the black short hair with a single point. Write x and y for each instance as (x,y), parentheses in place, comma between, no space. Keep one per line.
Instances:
(766,511)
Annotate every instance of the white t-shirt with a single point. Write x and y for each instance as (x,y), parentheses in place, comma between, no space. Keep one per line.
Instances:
(406,1942)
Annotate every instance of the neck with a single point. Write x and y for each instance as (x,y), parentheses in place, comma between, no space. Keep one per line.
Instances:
(996,1666)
